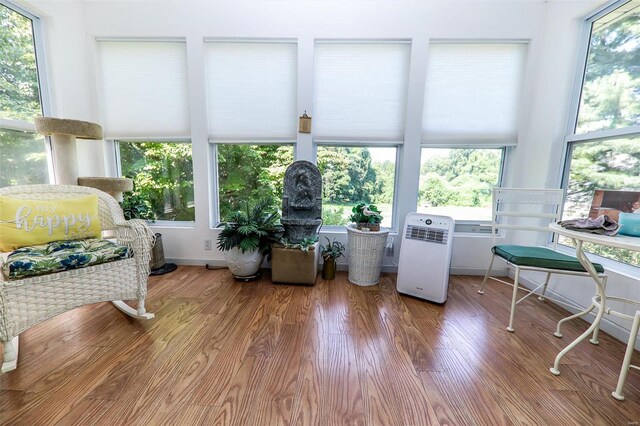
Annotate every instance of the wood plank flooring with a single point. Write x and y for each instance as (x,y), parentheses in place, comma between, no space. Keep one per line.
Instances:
(226,352)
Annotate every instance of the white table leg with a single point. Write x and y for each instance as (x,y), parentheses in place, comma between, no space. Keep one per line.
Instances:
(619,394)
(588,266)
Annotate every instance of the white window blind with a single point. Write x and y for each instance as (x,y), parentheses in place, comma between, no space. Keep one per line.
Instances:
(472,93)
(144,89)
(360,91)
(252,91)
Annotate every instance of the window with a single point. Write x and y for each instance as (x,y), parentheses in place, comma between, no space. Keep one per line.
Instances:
(146,111)
(163,175)
(458,182)
(469,118)
(354,174)
(360,98)
(252,107)
(610,97)
(23,154)
(249,173)
(608,164)
(603,144)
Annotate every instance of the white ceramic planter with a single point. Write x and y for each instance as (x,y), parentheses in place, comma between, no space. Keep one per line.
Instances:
(243,264)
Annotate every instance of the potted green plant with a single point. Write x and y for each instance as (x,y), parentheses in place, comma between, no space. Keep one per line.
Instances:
(332,251)
(247,236)
(366,216)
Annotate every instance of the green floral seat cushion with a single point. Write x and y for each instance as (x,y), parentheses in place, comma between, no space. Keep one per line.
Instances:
(61,256)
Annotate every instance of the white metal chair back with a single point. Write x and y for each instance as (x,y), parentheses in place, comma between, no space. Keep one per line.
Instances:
(513,203)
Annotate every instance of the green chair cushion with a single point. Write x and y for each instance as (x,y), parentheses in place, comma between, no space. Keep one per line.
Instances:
(61,256)
(540,257)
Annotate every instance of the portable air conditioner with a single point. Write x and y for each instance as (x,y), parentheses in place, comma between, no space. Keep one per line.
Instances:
(425,256)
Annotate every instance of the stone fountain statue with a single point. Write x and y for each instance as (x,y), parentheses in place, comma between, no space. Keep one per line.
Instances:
(302,201)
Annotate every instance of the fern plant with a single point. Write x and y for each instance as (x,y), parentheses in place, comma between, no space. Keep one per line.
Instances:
(254,228)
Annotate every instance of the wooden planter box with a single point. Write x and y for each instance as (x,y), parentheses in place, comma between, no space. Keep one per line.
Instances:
(294,266)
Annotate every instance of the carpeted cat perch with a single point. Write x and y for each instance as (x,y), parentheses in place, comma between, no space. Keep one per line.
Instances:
(63,134)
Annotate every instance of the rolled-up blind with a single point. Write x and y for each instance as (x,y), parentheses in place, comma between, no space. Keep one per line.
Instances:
(472,93)
(252,90)
(360,91)
(144,89)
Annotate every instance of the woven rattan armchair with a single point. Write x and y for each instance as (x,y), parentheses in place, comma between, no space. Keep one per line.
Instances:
(29,301)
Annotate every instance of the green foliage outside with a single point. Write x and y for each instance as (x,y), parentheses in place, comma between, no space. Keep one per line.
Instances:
(350,176)
(163,175)
(23,156)
(611,91)
(251,172)
(19,92)
(463,177)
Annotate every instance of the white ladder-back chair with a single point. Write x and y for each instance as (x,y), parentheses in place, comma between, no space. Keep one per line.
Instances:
(527,209)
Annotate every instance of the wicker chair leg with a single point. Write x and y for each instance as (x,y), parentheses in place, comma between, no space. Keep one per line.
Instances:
(134,313)
(10,354)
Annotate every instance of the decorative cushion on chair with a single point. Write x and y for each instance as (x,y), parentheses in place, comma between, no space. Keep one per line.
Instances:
(26,223)
(61,256)
(540,257)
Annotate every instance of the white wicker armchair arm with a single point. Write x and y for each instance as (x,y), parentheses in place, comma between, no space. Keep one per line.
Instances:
(137,235)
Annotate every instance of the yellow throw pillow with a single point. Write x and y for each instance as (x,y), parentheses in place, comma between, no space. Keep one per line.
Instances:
(31,222)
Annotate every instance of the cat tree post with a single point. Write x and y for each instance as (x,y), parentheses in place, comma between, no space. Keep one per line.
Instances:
(63,133)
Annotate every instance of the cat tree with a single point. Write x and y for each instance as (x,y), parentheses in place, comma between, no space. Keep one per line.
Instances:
(63,133)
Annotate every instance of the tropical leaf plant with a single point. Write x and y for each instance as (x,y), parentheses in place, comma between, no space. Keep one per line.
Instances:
(254,228)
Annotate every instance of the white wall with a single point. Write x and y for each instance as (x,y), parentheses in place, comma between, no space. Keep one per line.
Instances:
(553,29)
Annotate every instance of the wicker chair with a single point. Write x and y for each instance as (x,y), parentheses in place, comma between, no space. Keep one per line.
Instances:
(29,301)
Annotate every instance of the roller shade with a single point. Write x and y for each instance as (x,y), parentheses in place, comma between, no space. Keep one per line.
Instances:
(252,91)
(472,93)
(360,91)
(144,89)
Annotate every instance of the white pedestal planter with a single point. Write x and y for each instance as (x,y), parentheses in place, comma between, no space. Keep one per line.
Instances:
(366,250)
(243,265)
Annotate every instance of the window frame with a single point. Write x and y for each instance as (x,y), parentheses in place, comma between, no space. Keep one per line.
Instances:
(573,139)
(43,86)
(117,163)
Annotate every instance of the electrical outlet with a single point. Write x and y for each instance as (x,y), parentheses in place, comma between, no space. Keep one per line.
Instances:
(389,248)
(207,244)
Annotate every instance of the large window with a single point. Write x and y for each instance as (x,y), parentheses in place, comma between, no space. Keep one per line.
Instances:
(354,174)
(360,97)
(146,109)
(251,99)
(604,139)
(458,182)
(610,97)
(247,173)
(23,154)
(469,119)
(162,173)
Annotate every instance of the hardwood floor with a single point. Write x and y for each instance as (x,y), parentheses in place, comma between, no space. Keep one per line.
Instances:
(225,352)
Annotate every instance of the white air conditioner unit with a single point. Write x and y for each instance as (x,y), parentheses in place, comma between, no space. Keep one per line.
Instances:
(425,256)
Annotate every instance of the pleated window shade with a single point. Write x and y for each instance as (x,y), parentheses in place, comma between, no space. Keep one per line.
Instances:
(360,91)
(472,93)
(144,89)
(252,91)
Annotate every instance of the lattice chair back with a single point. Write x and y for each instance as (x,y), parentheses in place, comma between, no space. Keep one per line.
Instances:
(525,209)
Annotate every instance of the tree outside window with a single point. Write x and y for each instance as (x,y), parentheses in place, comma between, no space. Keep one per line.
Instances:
(22,153)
